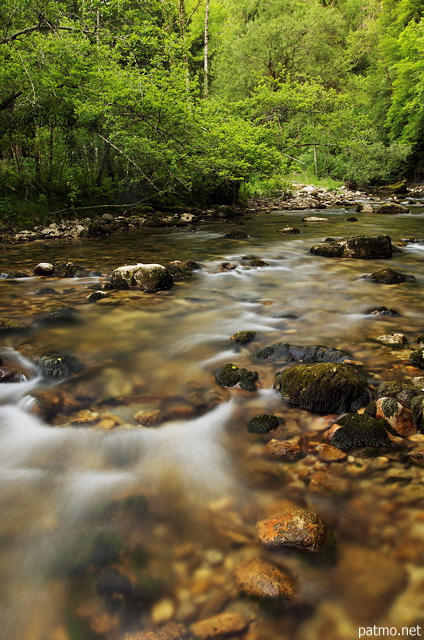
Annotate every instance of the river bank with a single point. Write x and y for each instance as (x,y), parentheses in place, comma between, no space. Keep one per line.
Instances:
(118,219)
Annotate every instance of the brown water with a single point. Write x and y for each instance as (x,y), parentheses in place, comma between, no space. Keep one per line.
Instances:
(174,508)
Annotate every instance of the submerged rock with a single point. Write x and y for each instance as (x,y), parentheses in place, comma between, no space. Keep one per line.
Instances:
(389,276)
(147,277)
(235,235)
(264,423)
(365,247)
(360,430)
(398,416)
(230,375)
(229,624)
(61,315)
(288,229)
(282,351)
(381,311)
(181,270)
(324,387)
(258,578)
(300,528)
(11,326)
(54,364)
(417,358)
(66,269)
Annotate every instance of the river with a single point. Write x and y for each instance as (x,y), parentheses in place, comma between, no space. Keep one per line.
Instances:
(167,511)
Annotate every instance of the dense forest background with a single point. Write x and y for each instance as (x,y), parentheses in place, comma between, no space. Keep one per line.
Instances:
(191,101)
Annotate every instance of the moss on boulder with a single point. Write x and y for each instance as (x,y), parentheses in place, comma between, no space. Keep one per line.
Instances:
(282,351)
(389,276)
(366,247)
(264,423)
(324,387)
(360,430)
(147,277)
(230,375)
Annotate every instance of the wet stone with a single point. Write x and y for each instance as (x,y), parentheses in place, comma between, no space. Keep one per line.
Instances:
(392,208)
(230,375)
(389,276)
(417,358)
(327,484)
(392,339)
(96,295)
(328,453)
(291,451)
(399,418)
(300,528)
(288,229)
(382,311)
(259,578)
(365,247)
(170,631)
(401,391)
(59,316)
(10,326)
(222,625)
(360,430)
(43,269)
(58,364)
(324,388)
(417,410)
(243,337)
(235,235)
(282,351)
(264,423)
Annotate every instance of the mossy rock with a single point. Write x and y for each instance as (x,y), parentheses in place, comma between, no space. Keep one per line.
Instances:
(230,375)
(417,409)
(389,276)
(417,358)
(11,326)
(324,387)
(282,351)
(236,235)
(243,337)
(364,247)
(392,208)
(69,269)
(59,316)
(360,430)
(400,391)
(147,277)
(264,423)
(180,270)
(54,364)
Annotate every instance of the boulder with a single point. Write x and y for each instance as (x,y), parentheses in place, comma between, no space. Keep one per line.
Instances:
(54,364)
(230,375)
(389,276)
(417,358)
(399,417)
(11,326)
(365,247)
(44,269)
(324,387)
(147,277)
(360,430)
(288,229)
(300,528)
(235,235)
(259,578)
(392,339)
(392,208)
(282,351)
(181,270)
(223,625)
(381,311)
(417,409)
(243,337)
(402,392)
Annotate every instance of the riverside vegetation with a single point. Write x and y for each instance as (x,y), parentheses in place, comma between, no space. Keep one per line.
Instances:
(186,102)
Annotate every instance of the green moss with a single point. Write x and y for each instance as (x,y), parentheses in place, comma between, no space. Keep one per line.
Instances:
(230,375)
(8,326)
(264,423)
(389,407)
(243,337)
(360,430)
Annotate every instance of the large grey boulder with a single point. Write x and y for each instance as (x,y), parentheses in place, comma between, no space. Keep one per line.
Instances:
(392,208)
(366,247)
(147,277)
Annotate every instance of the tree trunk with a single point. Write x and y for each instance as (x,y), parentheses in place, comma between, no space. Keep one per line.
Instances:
(206,52)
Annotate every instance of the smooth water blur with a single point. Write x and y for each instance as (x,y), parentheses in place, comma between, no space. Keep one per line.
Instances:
(141,349)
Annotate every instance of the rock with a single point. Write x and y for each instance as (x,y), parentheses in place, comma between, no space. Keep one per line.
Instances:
(401,391)
(417,410)
(147,277)
(381,311)
(264,423)
(328,453)
(243,337)
(59,316)
(300,528)
(288,450)
(236,235)
(327,484)
(58,364)
(392,208)
(11,326)
(180,270)
(258,263)
(46,291)
(258,578)
(170,631)
(366,207)
(230,375)
(399,417)
(223,625)
(281,351)
(14,275)
(389,276)
(417,358)
(288,229)
(352,219)
(44,269)
(365,247)
(324,388)
(69,269)
(392,339)
(96,295)
(149,418)
(315,219)
(9,375)
(111,583)
(360,430)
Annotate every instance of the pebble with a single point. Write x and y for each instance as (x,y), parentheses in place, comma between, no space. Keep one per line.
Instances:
(171,631)
(225,624)
(285,449)
(392,339)
(299,528)
(261,579)
(322,482)
(162,611)
(328,453)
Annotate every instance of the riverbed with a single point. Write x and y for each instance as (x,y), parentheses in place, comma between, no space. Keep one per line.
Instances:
(164,505)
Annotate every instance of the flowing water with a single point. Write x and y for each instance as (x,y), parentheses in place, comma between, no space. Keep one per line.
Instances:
(89,500)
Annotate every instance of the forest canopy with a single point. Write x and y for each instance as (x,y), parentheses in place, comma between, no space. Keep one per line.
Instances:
(185,101)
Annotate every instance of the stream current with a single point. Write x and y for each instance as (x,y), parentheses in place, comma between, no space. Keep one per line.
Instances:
(171,508)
